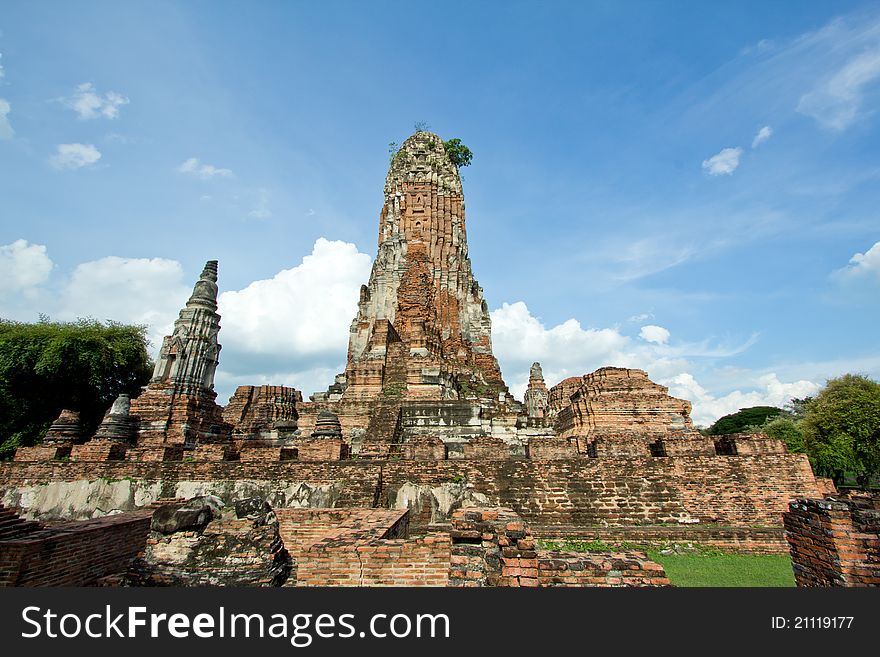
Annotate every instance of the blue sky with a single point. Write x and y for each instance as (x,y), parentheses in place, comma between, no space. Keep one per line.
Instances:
(690,188)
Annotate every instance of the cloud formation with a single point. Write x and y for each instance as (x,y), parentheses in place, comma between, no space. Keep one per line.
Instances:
(295,325)
(302,311)
(194,167)
(762,135)
(23,266)
(147,291)
(862,265)
(6,131)
(723,163)
(707,408)
(836,102)
(74,156)
(89,104)
(567,349)
(655,334)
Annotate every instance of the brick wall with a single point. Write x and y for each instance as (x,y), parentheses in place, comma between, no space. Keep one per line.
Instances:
(423,448)
(42,452)
(397,562)
(552,447)
(612,569)
(74,554)
(748,443)
(321,449)
(741,490)
(361,547)
(485,447)
(835,541)
(302,528)
(494,547)
(687,445)
(98,450)
(731,491)
(621,445)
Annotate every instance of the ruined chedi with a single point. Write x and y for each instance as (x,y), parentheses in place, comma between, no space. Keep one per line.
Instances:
(177,409)
(422,327)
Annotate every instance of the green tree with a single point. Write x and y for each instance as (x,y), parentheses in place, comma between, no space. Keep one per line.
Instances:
(458,153)
(744,419)
(841,428)
(786,428)
(48,366)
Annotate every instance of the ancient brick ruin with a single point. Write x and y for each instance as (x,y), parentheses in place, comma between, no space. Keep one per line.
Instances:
(202,542)
(835,541)
(421,420)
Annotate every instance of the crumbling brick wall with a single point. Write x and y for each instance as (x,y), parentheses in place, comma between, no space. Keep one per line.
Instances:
(552,447)
(485,447)
(835,541)
(73,554)
(420,561)
(423,448)
(494,547)
(614,569)
(735,491)
(362,547)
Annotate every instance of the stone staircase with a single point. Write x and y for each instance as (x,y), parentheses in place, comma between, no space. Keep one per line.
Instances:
(382,438)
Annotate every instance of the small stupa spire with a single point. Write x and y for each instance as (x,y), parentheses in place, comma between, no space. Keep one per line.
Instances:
(204,294)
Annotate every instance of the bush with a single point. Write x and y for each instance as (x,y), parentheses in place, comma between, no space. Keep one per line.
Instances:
(49,366)
(458,153)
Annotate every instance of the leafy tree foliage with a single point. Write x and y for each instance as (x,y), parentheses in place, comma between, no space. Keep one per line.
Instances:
(786,428)
(48,366)
(458,153)
(841,428)
(743,420)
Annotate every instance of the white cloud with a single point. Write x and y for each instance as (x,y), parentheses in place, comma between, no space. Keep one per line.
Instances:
(193,167)
(655,334)
(641,317)
(567,349)
(74,156)
(723,163)
(862,264)
(837,100)
(302,311)
(6,131)
(707,408)
(23,266)
(89,104)
(133,290)
(762,136)
(2,71)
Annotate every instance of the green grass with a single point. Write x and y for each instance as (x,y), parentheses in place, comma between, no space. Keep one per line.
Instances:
(729,570)
(697,565)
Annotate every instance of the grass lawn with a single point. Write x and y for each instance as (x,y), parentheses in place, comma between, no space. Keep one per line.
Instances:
(726,569)
(698,565)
